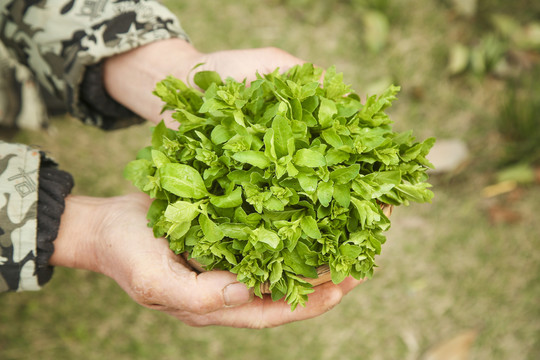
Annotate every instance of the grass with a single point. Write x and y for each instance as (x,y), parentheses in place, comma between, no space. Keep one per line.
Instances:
(445,269)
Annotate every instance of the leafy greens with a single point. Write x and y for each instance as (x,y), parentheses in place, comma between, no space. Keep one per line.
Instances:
(273,179)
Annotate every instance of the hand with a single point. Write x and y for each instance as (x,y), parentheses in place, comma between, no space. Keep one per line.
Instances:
(131,77)
(110,236)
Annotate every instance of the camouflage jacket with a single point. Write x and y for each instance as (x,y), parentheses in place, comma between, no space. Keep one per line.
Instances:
(18,210)
(62,41)
(56,43)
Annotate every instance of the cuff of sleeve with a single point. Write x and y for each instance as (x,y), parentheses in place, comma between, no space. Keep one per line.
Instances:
(97,101)
(85,93)
(54,186)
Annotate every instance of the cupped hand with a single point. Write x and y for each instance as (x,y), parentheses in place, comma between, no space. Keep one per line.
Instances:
(245,64)
(144,266)
(118,243)
(131,77)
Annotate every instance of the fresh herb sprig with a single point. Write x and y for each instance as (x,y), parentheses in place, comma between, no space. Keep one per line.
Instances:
(273,179)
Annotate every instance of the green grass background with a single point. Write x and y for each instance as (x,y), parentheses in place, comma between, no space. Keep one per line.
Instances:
(445,269)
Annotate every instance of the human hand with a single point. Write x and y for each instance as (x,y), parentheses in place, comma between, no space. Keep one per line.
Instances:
(131,77)
(110,236)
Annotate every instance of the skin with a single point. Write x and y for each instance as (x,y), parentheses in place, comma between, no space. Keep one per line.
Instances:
(133,65)
(117,242)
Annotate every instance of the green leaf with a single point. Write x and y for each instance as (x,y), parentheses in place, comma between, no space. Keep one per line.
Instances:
(138,171)
(375,105)
(327,110)
(181,211)
(367,211)
(297,263)
(385,177)
(155,211)
(417,192)
(235,231)
(204,79)
(211,230)
(310,228)
(350,251)
(182,180)
(145,153)
(334,156)
(345,174)
(331,137)
(159,132)
(190,121)
(276,272)
(342,194)
(308,182)
(221,134)
(282,134)
(333,85)
(309,158)
(231,200)
(255,158)
(175,232)
(325,191)
(291,170)
(337,275)
(159,158)
(310,104)
(268,237)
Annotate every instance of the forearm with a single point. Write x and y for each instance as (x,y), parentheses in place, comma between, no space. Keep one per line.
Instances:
(61,44)
(130,78)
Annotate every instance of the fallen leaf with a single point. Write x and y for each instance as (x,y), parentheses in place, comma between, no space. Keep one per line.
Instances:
(455,348)
(458,59)
(519,173)
(499,214)
(500,188)
(465,7)
(529,38)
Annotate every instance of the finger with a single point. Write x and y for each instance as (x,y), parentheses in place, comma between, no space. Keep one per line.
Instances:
(203,293)
(349,284)
(264,313)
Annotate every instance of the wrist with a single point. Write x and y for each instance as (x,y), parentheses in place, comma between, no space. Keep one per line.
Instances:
(79,233)
(130,78)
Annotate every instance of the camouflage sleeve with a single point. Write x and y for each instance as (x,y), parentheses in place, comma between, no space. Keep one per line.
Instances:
(19,166)
(59,40)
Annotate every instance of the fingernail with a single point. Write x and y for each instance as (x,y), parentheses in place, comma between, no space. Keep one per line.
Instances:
(237,294)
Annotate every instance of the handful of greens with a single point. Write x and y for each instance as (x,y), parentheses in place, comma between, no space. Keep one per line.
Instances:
(272,180)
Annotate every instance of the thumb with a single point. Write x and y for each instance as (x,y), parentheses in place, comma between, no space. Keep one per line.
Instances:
(208,291)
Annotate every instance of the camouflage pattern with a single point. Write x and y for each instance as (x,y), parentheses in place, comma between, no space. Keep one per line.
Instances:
(20,100)
(58,39)
(19,166)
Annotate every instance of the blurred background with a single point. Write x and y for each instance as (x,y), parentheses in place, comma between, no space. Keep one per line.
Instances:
(457,279)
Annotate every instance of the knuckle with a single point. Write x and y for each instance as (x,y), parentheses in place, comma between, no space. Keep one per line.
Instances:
(201,307)
(144,292)
(275,50)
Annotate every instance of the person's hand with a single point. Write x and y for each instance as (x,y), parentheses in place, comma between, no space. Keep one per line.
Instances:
(110,236)
(130,77)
